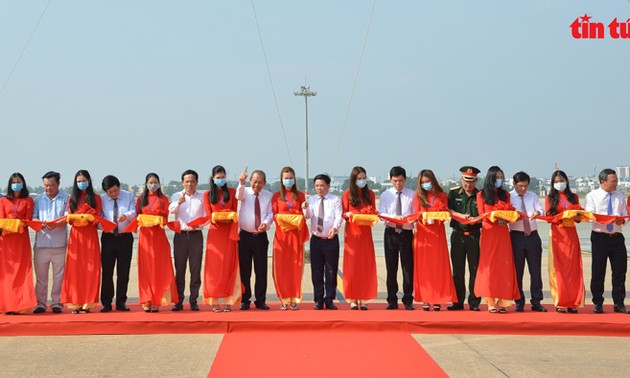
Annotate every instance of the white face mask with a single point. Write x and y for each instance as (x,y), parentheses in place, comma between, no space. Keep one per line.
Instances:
(560,186)
(153,187)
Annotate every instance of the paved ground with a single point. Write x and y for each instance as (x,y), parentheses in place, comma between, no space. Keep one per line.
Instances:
(192,355)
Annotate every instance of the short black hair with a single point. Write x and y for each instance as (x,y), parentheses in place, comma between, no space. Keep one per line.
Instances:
(322,176)
(190,172)
(52,174)
(397,171)
(520,176)
(603,175)
(109,182)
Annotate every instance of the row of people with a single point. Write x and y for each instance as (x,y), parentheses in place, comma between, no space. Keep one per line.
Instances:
(495,273)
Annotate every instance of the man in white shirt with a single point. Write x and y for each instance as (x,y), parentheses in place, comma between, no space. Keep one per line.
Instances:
(397,202)
(324,211)
(119,206)
(526,243)
(50,242)
(255,217)
(187,206)
(607,242)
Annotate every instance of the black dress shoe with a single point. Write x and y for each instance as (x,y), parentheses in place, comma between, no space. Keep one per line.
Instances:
(57,310)
(106,308)
(122,307)
(409,306)
(194,307)
(474,307)
(538,308)
(572,310)
(520,307)
(598,309)
(318,306)
(244,306)
(177,307)
(622,309)
(262,306)
(39,310)
(392,306)
(331,306)
(455,307)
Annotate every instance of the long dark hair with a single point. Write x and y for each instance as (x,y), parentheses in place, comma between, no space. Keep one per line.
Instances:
(294,188)
(23,192)
(489,189)
(356,194)
(421,193)
(76,193)
(554,195)
(213,193)
(144,197)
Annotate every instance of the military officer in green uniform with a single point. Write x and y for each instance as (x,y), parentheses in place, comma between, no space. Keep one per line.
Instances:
(462,202)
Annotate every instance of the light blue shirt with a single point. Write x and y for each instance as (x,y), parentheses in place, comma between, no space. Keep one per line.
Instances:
(126,205)
(47,209)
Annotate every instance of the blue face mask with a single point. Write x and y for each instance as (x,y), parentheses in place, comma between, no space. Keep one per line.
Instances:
(219,181)
(361,183)
(82,185)
(498,183)
(427,186)
(17,187)
(288,183)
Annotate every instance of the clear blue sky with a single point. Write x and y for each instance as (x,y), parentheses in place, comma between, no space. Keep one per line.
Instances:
(129,87)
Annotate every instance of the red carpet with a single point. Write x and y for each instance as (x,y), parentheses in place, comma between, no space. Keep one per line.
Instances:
(313,354)
(306,319)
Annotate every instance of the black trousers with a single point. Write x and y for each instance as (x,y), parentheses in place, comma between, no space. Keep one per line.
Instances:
(253,247)
(465,247)
(324,266)
(188,247)
(399,244)
(115,251)
(605,247)
(528,248)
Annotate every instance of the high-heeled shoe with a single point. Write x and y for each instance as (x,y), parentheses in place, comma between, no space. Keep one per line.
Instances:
(354,305)
(426,306)
(436,307)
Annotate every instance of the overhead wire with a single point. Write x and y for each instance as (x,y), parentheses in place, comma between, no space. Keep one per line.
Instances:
(273,91)
(354,87)
(19,58)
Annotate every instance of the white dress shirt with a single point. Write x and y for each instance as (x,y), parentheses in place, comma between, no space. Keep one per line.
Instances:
(126,206)
(189,210)
(247,212)
(387,206)
(597,203)
(47,209)
(532,203)
(332,213)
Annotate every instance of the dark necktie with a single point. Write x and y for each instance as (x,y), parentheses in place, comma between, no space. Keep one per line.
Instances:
(610,227)
(398,210)
(256,213)
(527,228)
(320,216)
(116,215)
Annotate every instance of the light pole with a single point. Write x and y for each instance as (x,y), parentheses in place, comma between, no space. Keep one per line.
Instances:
(306,93)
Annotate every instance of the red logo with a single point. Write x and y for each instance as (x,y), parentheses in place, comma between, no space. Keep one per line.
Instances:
(583,28)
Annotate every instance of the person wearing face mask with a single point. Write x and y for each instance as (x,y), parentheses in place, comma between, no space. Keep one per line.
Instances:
(17,294)
(288,243)
(82,277)
(566,280)
(526,243)
(187,206)
(359,259)
(496,274)
(462,202)
(433,281)
(156,278)
(222,279)
(255,217)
